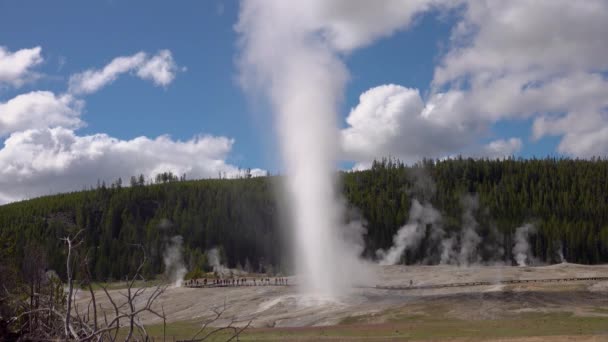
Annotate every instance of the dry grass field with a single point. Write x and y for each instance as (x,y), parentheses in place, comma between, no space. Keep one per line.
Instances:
(535,311)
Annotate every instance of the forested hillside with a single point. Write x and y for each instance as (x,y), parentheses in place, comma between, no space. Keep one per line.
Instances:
(566,200)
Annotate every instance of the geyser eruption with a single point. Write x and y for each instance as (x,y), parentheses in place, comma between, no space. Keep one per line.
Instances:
(174,261)
(309,149)
(521,250)
(305,82)
(290,53)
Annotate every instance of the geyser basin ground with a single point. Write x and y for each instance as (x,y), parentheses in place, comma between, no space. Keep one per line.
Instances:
(576,308)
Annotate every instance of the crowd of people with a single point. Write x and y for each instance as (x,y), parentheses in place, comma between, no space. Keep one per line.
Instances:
(221,282)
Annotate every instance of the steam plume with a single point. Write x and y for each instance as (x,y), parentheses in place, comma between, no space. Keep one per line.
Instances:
(447,251)
(213,257)
(291,54)
(521,250)
(410,235)
(174,262)
(469,239)
(559,251)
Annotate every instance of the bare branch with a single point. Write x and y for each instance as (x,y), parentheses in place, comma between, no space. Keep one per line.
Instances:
(71,245)
(218,311)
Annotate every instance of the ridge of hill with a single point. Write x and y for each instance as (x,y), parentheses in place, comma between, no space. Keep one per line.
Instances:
(566,200)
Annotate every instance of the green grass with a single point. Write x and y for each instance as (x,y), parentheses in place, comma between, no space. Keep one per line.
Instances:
(401,325)
(178,330)
(600,310)
(421,328)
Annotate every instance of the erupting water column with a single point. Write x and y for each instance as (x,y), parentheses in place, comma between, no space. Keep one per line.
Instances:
(308,144)
(303,81)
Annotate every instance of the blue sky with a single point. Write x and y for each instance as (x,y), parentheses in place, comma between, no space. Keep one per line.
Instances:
(205,98)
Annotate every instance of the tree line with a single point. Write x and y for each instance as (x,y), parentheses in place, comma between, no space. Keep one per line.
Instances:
(565,199)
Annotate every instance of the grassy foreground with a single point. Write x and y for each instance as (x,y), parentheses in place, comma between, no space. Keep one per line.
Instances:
(417,327)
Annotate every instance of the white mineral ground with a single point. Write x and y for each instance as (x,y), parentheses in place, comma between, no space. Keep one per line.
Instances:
(280,306)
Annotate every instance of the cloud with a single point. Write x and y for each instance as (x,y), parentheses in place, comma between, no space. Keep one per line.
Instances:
(390,120)
(43,154)
(351,24)
(542,38)
(160,69)
(92,80)
(501,148)
(316,29)
(39,109)
(15,67)
(507,60)
(44,161)
(531,59)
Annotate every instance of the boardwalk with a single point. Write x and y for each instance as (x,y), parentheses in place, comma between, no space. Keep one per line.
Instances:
(211,283)
(487,283)
(235,282)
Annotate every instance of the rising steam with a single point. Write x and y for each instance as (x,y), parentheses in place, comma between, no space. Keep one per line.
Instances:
(461,247)
(559,251)
(303,79)
(291,54)
(410,235)
(521,249)
(447,251)
(215,261)
(174,261)
(469,239)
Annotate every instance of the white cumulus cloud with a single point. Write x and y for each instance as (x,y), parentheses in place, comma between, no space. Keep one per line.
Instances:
(540,38)
(350,24)
(507,60)
(390,120)
(160,69)
(531,59)
(43,161)
(15,67)
(43,154)
(39,109)
(501,148)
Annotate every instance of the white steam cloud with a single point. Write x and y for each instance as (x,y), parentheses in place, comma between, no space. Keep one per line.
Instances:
(425,227)
(559,251)
(214,260)
(447,250)
(174,261)
(410,235)
(291,52)
(521,249)
(469,239)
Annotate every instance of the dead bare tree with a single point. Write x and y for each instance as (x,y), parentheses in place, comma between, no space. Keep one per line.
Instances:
(41,318)
(88,282)
(50,311)
(128,310)
(72,243)
(33,274)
